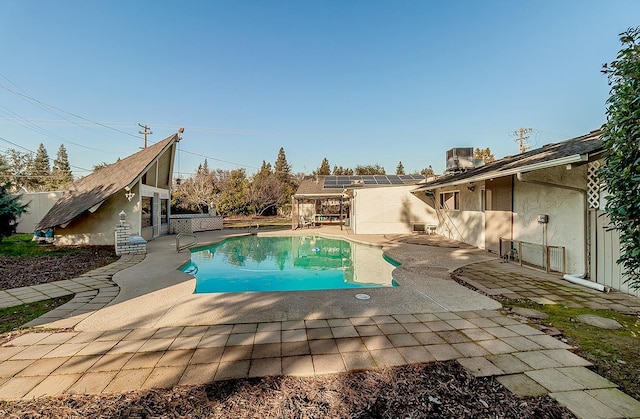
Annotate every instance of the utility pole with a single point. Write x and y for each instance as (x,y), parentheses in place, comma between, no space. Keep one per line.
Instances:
(522,138)
(147,131)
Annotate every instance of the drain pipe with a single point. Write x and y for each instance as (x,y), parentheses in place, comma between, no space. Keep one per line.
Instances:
(583,192)
(586,283)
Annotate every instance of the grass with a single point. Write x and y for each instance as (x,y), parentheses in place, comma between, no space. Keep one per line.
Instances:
(20,245)
(614,353)
(265,223)
(12,318)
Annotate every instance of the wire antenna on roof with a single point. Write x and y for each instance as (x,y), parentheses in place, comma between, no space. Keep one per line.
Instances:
(522,138)
(147,131)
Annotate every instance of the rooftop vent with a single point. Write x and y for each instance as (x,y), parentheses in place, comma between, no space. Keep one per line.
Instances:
(459,160)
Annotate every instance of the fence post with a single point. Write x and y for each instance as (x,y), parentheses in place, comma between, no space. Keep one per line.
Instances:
(520,252)
(547,250)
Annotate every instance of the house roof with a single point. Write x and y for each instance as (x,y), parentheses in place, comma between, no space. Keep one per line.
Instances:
(334,186)
(92,190)
(574,150)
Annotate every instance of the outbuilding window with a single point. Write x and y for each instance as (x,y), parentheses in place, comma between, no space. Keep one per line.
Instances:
(147,219)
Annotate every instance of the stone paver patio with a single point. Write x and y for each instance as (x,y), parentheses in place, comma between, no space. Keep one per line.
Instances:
(98,358)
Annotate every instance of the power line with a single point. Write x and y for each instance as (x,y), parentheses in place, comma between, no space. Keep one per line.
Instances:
(220,160)
(32,99)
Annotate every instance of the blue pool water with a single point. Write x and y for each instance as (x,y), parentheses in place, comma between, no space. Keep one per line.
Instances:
(292,263)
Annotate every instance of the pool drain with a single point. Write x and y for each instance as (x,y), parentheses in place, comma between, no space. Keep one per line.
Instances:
(363,296)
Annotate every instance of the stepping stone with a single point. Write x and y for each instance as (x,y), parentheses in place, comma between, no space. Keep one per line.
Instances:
(529,313)
(601,322)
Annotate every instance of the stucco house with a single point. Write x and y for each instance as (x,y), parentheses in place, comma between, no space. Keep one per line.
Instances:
(543,208)
(139,185)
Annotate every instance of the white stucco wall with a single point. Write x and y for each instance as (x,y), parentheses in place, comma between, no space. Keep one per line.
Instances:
(99,228)
(39,204)
(565,208)
(388,210)
(466,224)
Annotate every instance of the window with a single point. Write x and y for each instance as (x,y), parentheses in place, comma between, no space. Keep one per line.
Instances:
(450,200)
(147,205)
(164,204)
(483,200)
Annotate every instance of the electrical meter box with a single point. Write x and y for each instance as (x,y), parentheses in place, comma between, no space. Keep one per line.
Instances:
(543,218)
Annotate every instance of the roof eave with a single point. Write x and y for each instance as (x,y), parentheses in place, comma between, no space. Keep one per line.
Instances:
(575,158)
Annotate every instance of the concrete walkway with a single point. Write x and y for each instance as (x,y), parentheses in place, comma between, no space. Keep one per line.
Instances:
(157,334)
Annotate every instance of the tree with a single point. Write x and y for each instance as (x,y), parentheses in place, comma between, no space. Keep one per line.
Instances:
(265,171)
(324,168)
(5,171)
(40,170)
(339,170)
(283,174)
(400,169)
(99,166)
(20,168)
(234,197)
(196,193)
(264,194)
(370,170)
(427,172)
(282,168)
(621,139)
(10,210)
(484,154)
(61,176)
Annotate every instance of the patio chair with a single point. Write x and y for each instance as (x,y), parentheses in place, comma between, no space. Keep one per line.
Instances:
(307,222)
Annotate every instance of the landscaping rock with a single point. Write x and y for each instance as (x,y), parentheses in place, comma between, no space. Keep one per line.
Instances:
(529,313)
(601,322)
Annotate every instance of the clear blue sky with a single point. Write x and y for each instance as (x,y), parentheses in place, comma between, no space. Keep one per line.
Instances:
(357,82)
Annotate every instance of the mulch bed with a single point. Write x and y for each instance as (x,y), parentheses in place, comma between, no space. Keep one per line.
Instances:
(437,390)
(18,272)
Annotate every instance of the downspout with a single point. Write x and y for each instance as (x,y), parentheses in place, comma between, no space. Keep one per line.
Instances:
(583,192)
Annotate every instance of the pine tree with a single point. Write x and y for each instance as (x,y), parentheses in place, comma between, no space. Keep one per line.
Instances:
(61,176)
(400,169)
(282,168)
(40,170)
(324,168)
(283,174)
(265,171)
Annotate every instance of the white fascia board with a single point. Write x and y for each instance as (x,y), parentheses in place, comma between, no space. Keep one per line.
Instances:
(522,169)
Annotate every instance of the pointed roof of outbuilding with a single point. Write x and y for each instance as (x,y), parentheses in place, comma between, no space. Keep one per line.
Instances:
(94,189)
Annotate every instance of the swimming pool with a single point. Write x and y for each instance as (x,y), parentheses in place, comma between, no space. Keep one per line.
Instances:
(288,263)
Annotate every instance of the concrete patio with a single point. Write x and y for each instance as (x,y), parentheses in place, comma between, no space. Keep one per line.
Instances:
(137,324)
